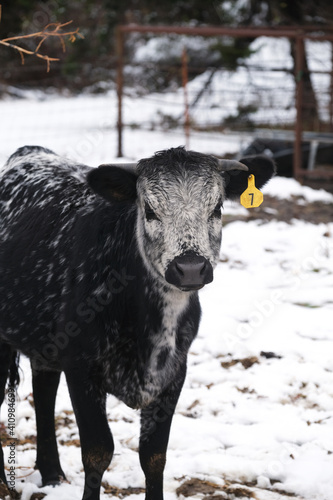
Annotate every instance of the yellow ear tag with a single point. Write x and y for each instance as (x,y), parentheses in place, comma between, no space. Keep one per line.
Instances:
(251,197)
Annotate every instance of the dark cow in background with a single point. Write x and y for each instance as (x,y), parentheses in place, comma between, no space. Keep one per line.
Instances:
(99,272)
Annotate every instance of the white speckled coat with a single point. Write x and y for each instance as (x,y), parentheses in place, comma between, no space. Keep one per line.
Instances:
(91,285)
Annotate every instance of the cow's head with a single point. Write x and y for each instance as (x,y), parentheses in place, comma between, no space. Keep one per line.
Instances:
(179,195)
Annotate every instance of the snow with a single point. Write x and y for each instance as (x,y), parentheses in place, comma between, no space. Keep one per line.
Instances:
(284,188)
(265,80)
(268,425)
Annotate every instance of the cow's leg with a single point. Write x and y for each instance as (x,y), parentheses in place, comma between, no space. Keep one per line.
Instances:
(5,360)
(155,429)
(45,385)
(96,439)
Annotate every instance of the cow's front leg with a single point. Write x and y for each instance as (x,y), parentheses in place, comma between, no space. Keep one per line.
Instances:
(45,386)
(95,435)
(155,429)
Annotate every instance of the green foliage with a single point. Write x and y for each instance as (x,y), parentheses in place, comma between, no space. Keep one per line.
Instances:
(241,119)
(231,52)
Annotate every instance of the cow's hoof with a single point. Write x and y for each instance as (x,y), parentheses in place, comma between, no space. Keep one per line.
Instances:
(55,482)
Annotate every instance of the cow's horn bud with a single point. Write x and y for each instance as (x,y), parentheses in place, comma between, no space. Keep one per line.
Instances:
(227,165)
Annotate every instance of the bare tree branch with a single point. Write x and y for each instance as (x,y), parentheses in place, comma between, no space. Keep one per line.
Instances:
(51,30)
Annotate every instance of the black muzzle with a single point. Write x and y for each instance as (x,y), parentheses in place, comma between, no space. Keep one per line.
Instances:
(189,272)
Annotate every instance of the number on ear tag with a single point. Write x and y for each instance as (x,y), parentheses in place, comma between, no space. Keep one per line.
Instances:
(251,197)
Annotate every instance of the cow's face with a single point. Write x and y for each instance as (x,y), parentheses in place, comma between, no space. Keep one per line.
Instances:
(179,220)
(179,196)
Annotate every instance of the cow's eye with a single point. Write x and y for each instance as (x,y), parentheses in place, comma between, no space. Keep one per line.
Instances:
(217,210)
(150,214)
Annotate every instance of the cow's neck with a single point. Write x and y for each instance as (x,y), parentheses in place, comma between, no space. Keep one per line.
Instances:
(168,301)
(161,338)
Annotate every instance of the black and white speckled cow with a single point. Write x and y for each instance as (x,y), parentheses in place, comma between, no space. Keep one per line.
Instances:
(99,272)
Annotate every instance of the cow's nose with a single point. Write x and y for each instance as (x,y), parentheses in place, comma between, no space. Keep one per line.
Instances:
(189,272)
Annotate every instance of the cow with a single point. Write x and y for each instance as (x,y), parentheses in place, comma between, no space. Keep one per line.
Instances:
(100,271)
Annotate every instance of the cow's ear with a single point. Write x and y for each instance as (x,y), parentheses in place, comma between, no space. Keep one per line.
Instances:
(236,181)
(114,182)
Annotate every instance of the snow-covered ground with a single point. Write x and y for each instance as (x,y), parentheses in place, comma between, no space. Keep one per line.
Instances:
(244,416)
(84,127)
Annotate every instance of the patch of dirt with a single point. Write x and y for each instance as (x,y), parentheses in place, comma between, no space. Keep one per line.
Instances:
(245,390)
(270,355)
(27,440)
(246,362)
(250,361)
(196,486)
(65,419)
(286,210)
(6,494)
(229,491)
(70,442)
(121,492)
(5,438)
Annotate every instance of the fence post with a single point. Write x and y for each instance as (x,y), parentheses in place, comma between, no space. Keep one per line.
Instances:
(120,84)
(186,110)
(297,160)
(331,91)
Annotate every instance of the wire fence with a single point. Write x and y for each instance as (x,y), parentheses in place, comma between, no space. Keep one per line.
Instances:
(286,84)
(226,109)
(260,92)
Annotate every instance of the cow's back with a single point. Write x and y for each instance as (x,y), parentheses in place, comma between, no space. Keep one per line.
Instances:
(40,195)
(35,178)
